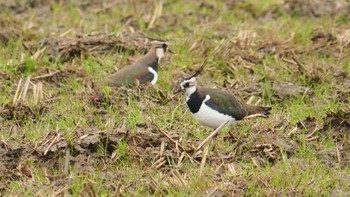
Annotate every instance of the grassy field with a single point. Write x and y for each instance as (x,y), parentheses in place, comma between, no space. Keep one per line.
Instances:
(63,132)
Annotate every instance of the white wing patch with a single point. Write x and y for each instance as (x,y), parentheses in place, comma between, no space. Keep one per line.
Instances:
(210,117)
(206,98)
(155,75)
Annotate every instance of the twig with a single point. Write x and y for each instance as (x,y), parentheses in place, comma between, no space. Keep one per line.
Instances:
(254,116)
(258,101)
(312,139)
(231,135)
(46,75)
(25,89)
(179,163)
(219,167)
(212,135)
(175,142)
(157,12)
(157,186)
(172,113)
(161,164)
(38,53)
(204,159)
(47,141)
(66,164)
(15,98)
(135,151)
(311,182)
(193,46)
(236,147)
(211,192)
(313,132)
(294,130)
(168,136)
(105,7)
(52,142)
(27,48)
(300,66)
(177,174)
(64,189)
(66,32)
(177,148)
(35,94)
(162,149)
(218,48)
(289,61)
(38,93)
(250,100)
(231,168)
(338,155)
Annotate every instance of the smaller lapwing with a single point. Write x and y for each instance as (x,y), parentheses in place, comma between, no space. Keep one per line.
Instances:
(142,71)
(214,107)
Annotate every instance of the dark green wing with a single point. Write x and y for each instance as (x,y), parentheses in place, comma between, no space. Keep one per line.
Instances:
(225,103)
(144,77)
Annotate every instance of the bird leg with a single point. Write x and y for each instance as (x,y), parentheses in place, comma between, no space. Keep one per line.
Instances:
(212,135)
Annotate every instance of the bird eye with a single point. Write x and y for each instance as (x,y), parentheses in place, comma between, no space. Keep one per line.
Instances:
(187,85)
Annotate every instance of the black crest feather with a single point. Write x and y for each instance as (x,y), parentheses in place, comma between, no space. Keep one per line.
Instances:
(198,71)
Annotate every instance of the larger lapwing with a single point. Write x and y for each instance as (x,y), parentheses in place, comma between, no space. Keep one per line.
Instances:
(142,71)
(214,107)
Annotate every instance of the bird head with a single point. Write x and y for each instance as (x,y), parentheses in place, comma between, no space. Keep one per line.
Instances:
(160,48)
(190,82)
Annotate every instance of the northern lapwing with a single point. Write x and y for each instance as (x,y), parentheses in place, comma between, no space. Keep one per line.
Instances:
(214,107)
(142,71)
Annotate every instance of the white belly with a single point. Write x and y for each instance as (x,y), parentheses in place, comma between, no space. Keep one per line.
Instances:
(210,117)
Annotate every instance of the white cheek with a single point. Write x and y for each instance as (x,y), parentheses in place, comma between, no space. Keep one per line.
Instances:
(160,53)
(189,91)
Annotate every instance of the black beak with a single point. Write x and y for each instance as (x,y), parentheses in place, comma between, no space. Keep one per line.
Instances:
(177,90)
(170,51)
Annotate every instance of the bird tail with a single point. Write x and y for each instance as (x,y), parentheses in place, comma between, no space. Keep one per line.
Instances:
(265,111)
